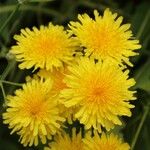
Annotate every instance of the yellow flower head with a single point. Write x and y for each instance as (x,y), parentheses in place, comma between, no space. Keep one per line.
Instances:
(46,48)
(105,37)
(105,142)
(33,112)
(58,75)
(65,142)
(100,92)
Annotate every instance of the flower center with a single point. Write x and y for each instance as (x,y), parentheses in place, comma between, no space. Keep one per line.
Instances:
(104,40)
(98,92)
(36,108)
(46,46)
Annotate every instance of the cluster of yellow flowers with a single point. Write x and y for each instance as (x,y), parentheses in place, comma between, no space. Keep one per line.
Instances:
(82,75)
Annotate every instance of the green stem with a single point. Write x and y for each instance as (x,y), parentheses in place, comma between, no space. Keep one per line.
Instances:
(143,25)
(10,17)
(146,110)
(8,68)
(11,83)
(3,91)
(3,76)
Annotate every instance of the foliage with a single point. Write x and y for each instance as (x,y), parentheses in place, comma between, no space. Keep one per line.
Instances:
(30,13)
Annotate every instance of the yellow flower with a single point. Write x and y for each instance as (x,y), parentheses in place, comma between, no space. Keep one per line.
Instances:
(65,142)
(99,91)
(33,112)
(105,142)
(105,37)
(46,47)
(58,75)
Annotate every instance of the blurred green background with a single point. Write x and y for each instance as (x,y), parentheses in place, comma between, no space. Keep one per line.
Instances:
(37,12)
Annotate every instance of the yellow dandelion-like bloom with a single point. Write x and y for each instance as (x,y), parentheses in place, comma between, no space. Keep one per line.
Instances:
(46,47)
(33,112)
(58,75)
(105,142)
(105,37)
(99,91)
(65,142)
